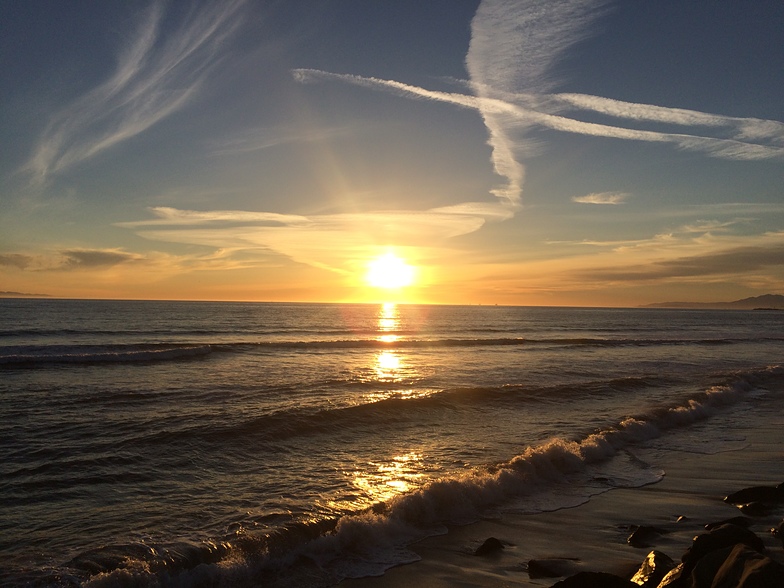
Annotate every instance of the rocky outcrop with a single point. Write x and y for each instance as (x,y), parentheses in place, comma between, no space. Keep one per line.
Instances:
(489,547)
(728,555)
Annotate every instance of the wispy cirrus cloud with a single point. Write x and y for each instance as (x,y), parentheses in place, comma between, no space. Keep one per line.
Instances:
(514,46)
(155,76)
(601,198)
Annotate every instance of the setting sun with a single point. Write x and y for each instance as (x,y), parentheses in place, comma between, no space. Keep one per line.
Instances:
(389,271)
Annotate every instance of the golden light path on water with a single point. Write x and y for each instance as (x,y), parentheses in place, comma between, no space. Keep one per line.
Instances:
(383,480)
(380,480)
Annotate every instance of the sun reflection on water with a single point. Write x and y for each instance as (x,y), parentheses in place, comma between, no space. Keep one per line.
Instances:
(386,479)
(388,366)
(388,322)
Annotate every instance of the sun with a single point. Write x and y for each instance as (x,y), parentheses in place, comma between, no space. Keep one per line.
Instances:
(389,271)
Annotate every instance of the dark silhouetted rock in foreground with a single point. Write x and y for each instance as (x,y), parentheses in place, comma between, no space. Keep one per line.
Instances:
(595,580)
(772,494)
(653,569)
(490,546)
(645,536)
(719,538)
(737,567)
(728,556)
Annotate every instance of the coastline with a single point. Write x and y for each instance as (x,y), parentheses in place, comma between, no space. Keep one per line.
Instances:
(593,536)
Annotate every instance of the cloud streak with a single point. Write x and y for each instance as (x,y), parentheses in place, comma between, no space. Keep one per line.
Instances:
(266,138)
(601,198)
(731,262)
(155,76)
(332,242)
(70,259)
(515,114)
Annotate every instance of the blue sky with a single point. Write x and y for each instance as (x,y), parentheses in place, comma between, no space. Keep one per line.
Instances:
(575,152)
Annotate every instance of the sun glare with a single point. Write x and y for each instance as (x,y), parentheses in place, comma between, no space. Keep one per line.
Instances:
(389,271)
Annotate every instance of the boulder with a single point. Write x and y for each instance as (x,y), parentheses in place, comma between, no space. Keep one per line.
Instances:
(757,494)
(653,569)
(719,538)
(737,567)
(489,547)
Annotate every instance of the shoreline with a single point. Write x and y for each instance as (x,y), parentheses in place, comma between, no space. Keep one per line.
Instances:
(593,536)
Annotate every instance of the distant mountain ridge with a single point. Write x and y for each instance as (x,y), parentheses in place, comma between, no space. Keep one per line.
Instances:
(765,301)
(6,294)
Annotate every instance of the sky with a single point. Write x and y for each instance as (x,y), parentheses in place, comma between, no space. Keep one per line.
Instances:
(578,152)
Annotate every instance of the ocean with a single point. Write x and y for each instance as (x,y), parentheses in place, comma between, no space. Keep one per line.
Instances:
(269,444)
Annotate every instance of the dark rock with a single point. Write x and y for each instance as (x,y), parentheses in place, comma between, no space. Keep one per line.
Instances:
(653,570)
(737,567)
(645,536)
(594,580)
(490,546)
(719,538)
(551,568)
(674,578)
(757,494)
(704,570)
(740,521)
(756,509)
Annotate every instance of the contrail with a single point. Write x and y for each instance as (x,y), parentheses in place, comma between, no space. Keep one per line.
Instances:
(501,109)
(513,46)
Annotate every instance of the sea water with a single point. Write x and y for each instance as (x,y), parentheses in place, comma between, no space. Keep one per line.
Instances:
(199,444)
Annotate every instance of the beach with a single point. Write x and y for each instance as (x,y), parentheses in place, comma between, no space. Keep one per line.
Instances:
(593,536)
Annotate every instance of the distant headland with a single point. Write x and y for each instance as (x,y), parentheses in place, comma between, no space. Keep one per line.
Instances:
(764,302)
(22,295)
